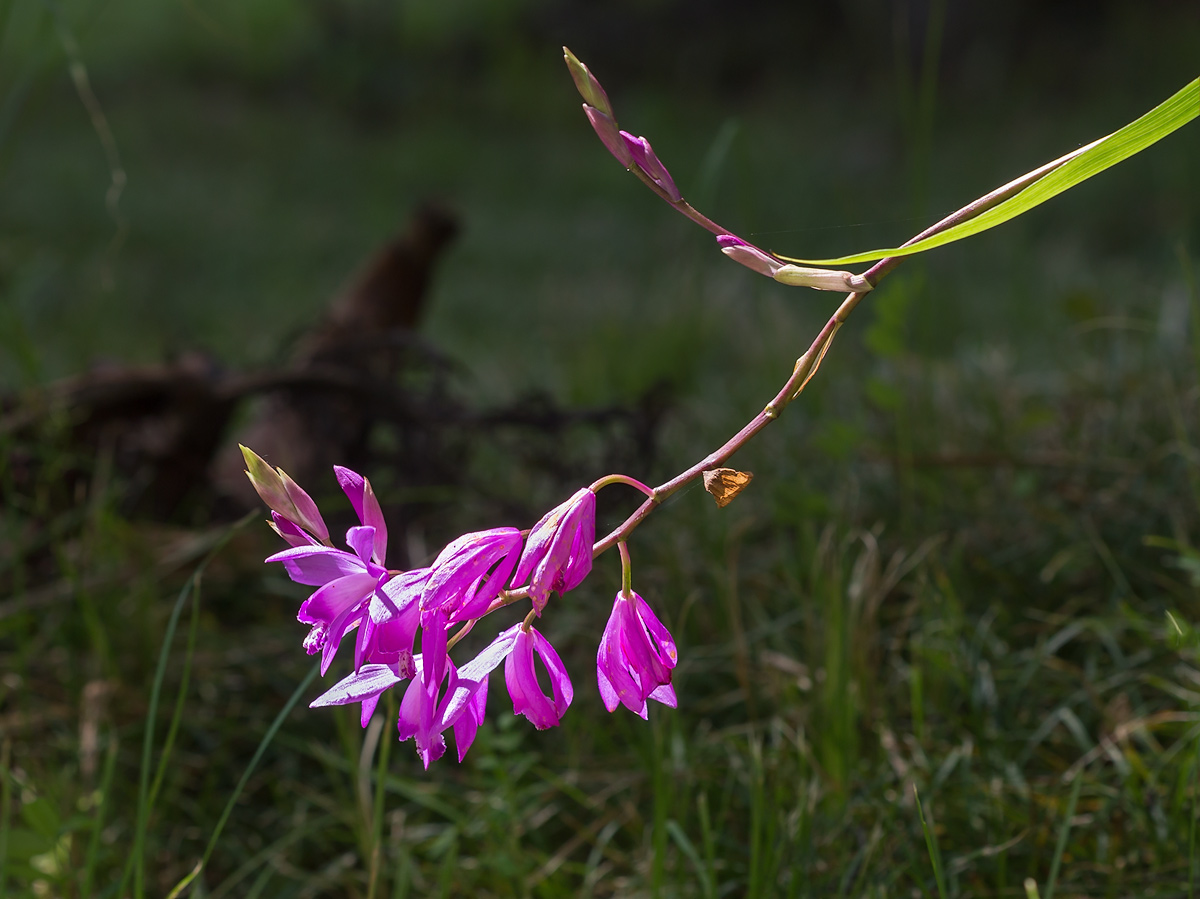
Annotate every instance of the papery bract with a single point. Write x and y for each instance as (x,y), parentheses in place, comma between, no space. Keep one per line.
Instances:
(635,658)
(521,679)
(558,551)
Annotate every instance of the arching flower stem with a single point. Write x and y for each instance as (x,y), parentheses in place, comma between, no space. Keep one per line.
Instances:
(621,479)
(626,570)
(806,366)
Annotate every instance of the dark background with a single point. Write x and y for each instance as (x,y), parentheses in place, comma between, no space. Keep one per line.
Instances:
(953,570)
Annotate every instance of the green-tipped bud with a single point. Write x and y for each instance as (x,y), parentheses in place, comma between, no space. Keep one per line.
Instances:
(587,85)
(269,484)
(822,279)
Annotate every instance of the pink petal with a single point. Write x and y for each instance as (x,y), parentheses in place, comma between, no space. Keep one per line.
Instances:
(336,597)
(560,682)
(352,484)
(433,651)
(554,548)
(455,579)
(368,709)
(366,638)
(362,541)
(317,565)
(291,532)
(310,515)
(468,723)
(664,694)
(407,587)
(607,694)
(523,688)
(366,507)
(579,563)
(640,654)
(372,680)
(614,661)
(660,636)
(465,729)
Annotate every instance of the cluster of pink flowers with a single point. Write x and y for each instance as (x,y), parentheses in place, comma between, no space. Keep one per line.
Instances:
(477,574)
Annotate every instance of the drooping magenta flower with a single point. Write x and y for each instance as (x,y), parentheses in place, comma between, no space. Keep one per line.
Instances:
(460,707)
(635,658)
(522,681)
(347,581)
(426,715)
(558,551)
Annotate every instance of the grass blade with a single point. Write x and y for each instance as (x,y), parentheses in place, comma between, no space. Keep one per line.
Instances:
(681,840)
(377,810)
(146,796)
(1168,116)
(1192,827)
(1063,832)
(93,850)
(180,698)
(935,856)
(241,785)
(5,804)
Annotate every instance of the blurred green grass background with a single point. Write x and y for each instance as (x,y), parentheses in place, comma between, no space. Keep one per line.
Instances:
(953,569)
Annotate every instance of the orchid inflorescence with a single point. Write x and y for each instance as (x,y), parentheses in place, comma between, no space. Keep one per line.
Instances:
(475,575)
(482,572)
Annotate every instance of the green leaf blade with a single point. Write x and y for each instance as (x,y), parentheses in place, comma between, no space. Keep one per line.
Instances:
(1170,115)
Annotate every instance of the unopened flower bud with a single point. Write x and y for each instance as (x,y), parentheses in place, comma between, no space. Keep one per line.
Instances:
(283,495)
(751,257)
(269,484)
(587,85)
(308,515)
(647,160)
(822,279)
(606,129)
